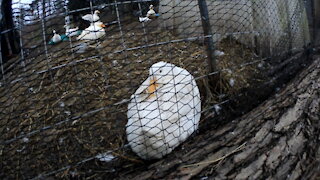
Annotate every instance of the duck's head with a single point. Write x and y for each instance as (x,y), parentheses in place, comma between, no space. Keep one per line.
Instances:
(151,6)
(54,31)
(160,74)
(97,12)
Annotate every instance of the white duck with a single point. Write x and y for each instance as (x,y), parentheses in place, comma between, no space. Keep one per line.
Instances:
(151,14)
(56,37)
(71,32)
(92,17)
(144,19)
(94,31)
(163,112)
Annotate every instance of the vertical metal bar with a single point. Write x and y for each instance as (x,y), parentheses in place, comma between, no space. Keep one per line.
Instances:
(314,27)
(20,38)
(1,61)
(100,61)
(143,26)
(119,24)
(43,24)
(303,9)
(207,32)
(174,14)
(287,8)
(74,67)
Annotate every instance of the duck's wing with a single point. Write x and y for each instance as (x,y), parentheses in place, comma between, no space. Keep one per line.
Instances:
(136,103)
(181,96)
(88,17)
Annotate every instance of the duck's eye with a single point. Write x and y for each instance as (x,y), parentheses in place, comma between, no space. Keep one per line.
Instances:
(160,71)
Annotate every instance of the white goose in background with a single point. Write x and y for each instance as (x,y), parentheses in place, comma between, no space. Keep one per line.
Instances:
(93,32)
(164,111)
(144,19)
(92,17)
(151,14)
(56,37)
(71,32)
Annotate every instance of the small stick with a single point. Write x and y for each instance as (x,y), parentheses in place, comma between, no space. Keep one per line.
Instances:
(219,159)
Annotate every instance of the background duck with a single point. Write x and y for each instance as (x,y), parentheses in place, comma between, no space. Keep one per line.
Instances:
(92,17)
(55,38)
(71,32)
(94,31)
(144,19)
(151,14)
(163,112)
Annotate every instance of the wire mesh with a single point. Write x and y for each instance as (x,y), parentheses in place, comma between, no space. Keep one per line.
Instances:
(75,104)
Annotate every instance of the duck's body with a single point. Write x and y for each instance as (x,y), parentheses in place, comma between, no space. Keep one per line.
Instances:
(93,32)
(163,112)
(92,17)
(151,13)
(56,37)
(71,32)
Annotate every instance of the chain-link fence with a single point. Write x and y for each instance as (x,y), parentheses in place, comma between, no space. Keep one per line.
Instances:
(86,105)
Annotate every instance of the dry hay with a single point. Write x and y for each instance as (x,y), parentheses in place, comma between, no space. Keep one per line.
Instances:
(77,106)
(240,67)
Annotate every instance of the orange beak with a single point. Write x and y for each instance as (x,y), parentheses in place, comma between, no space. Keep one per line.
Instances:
(102,25)
(152,87)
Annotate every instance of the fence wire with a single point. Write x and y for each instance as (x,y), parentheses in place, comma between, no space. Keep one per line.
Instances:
(140,86)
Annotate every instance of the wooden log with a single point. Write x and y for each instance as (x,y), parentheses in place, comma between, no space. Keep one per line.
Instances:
(277,140)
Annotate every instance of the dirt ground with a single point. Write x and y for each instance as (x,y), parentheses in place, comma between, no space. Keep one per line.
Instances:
(63,107)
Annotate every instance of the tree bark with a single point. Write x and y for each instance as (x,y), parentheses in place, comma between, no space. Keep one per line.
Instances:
(279,139)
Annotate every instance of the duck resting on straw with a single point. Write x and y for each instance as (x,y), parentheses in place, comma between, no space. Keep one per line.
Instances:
(151,14)
(92,17)
(163,112)
(56,37)
(93,32)
(71,32)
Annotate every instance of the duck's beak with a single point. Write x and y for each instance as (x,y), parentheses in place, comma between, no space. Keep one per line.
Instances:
(152,87)
(102,25)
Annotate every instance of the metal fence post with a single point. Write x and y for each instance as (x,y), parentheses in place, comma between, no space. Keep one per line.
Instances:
(1,61)
(208,33)
(21,23)
(289,30)
(314,22)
